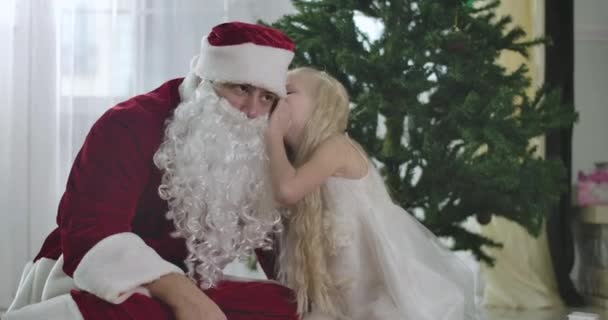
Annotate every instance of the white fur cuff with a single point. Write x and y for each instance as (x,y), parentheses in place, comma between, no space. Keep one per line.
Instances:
(118,266)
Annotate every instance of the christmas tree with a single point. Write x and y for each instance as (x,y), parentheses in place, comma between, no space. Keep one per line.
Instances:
(448,126)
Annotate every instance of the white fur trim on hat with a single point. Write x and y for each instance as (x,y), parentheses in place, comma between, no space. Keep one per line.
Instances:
(261,66)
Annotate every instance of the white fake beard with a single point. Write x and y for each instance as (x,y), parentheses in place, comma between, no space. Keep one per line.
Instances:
(216,183)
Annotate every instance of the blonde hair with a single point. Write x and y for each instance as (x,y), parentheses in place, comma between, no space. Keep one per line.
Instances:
(306,242)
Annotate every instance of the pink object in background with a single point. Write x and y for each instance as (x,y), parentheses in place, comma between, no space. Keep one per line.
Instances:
(593,187)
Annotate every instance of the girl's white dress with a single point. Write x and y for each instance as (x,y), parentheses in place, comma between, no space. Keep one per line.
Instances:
(389,265)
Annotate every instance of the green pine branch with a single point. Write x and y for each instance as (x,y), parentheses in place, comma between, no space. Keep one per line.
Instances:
(458,124)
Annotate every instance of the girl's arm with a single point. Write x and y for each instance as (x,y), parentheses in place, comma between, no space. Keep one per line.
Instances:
(292,184)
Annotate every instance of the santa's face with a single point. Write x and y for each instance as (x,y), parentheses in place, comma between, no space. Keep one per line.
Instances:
(253,101)
(215,180)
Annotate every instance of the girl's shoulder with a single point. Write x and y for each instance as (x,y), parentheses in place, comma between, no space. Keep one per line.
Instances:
(353,161)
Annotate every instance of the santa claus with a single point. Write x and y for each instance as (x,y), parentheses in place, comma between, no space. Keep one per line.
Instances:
(168,188)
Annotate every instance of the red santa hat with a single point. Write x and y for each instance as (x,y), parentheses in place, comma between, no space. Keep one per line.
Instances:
(246,53)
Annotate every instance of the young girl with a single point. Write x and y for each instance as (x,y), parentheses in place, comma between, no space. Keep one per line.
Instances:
(347,250)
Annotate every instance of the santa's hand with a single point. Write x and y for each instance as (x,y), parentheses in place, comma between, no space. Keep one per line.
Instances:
(280,119)
(204,309)
(186,300)
(314,315)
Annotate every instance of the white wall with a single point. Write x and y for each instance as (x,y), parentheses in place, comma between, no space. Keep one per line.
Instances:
(590,142)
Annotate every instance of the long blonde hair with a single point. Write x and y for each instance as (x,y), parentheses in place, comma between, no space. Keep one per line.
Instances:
(306,242)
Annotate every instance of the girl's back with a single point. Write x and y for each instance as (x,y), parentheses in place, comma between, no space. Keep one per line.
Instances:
(387,264)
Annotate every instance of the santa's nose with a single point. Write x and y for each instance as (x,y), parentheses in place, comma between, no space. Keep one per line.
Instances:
(252,106)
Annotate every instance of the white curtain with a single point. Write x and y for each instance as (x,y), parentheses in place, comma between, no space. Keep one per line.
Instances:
(62,64)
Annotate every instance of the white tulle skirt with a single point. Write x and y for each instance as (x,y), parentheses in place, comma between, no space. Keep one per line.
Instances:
(390,266)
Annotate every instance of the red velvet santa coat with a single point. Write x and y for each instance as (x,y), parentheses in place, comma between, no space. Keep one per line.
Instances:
(113,237)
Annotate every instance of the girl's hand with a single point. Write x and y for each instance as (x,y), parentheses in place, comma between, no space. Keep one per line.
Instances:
(280,119)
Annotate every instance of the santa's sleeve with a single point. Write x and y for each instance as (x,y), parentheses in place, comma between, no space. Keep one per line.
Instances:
(100,252)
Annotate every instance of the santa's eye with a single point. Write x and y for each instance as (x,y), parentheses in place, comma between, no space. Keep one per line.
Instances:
(241,88)
(269,97)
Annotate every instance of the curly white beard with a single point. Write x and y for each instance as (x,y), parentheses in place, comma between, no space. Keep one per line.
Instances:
(216,183)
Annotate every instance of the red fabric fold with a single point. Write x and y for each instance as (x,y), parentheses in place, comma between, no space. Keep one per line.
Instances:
(238,300)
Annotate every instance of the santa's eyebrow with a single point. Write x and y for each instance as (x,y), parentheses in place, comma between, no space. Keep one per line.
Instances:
(270,93)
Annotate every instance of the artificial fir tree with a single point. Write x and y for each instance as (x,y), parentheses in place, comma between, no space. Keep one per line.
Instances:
(457,124)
